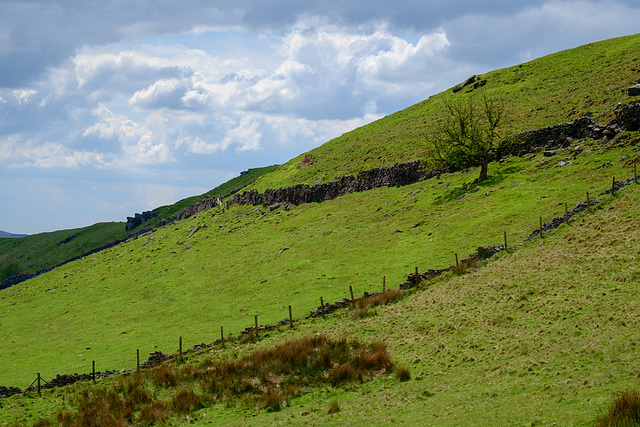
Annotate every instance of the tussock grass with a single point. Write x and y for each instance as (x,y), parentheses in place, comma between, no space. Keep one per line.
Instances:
(623,412)
(266,379)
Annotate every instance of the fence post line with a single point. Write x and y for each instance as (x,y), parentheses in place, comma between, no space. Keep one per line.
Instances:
(94,371)
(588,208)
(38,383)
(322,306)
(351,291)
(138,360)
(290,318)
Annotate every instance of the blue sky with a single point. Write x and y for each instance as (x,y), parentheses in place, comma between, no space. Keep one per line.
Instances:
(110,108)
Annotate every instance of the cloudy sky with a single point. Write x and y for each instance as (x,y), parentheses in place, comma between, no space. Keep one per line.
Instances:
(111,107)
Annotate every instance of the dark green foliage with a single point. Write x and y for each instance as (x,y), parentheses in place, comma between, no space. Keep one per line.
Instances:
(9,270)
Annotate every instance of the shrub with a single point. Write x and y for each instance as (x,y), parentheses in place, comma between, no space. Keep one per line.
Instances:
(624,411)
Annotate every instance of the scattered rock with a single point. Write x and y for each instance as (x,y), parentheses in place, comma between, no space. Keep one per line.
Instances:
(550,153)
(283,249)
(634,90)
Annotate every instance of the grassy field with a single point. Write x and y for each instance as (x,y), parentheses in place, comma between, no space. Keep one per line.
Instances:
(543,334)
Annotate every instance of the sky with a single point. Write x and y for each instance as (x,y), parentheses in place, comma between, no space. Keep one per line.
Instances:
(112,107)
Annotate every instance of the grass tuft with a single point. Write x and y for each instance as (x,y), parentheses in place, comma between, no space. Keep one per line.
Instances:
(402,373)
(624,411)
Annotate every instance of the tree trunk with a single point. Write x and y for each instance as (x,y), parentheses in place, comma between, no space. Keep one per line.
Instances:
(484,169)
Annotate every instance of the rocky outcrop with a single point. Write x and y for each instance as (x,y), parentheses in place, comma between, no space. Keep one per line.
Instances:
(139,219)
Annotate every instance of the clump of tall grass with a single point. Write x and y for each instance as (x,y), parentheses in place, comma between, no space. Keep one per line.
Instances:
(623,411)
(267,379)
(362,306)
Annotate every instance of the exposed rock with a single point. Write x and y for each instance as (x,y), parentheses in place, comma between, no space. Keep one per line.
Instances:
(550,153)
(634,90)
(462,85)
(138,219)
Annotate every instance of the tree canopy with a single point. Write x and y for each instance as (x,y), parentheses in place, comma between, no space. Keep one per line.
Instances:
(467,133)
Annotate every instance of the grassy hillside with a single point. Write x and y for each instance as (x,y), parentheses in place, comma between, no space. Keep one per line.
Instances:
(39,251)
(543,334)
(590,79)
(221,191)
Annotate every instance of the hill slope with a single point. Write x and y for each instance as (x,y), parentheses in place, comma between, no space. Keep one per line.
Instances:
(561,87)
(44,250)
(543,334)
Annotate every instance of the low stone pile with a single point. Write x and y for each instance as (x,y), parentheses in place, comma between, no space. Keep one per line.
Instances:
(9,391)
(156,358)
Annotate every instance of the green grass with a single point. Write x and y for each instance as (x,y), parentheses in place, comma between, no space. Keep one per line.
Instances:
(543,334)
(43,250)
(221,191)
(39,251)
(149,291)
(561,87)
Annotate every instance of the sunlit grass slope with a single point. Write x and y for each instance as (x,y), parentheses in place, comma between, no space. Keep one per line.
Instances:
(561,87)
(39,251)
(43,250)
(543,335)
(179,281)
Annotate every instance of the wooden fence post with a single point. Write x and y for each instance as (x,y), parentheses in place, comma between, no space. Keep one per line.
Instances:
(322,306)
(222,335)
(588,208)
(138,360)
(256,322)
(290,318)
(505,241)
(613,185)
(540,226)
(38,383)
(566,214)
(457,263)
(351,291)
(635,173)
(94,371)
(384,284)
(180,348)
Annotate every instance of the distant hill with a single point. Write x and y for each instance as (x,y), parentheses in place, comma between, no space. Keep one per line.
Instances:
(43,250)
(5,234)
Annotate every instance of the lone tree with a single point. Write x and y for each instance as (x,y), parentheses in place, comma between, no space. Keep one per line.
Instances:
(467,133)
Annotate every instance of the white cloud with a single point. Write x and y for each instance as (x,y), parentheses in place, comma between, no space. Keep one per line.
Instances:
(139,145)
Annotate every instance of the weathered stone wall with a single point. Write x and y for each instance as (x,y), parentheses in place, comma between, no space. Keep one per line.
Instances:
(394,176)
